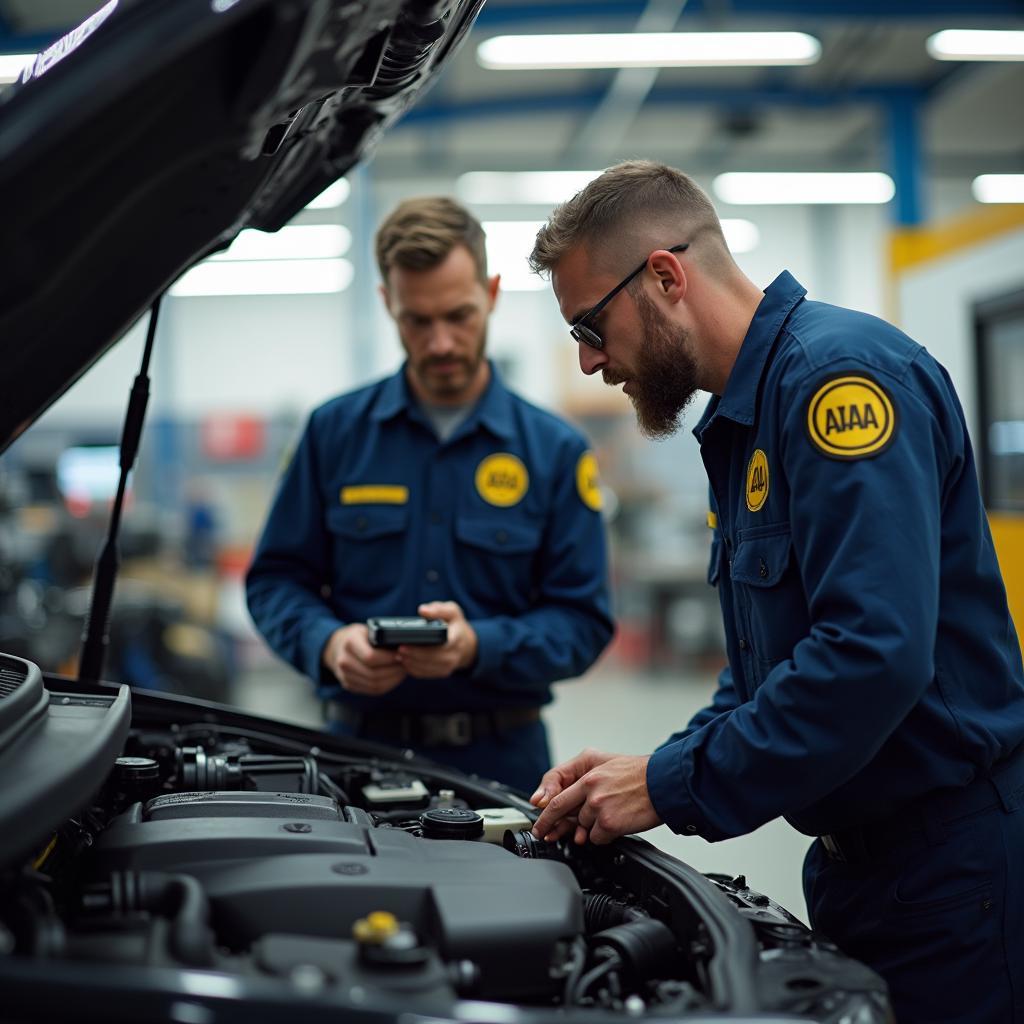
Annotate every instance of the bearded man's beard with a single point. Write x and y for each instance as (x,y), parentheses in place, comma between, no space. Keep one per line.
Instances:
(665,378)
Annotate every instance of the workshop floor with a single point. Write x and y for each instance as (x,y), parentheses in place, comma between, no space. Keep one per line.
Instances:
(611,709)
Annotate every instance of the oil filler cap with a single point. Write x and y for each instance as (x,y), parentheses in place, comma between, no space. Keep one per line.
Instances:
(451,823)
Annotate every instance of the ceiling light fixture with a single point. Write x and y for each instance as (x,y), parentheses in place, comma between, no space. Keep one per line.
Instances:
(998,188)
(648,50)
(265,277)
(976,44)
(800,188)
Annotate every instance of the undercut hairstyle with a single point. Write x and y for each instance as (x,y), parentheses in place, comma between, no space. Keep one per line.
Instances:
(629,208)
(420,233)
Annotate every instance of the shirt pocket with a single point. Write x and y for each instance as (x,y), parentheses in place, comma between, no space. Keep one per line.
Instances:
(496,560)
(768,580)
(369,547)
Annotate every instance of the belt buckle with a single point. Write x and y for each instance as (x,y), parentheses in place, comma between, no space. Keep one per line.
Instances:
(832,848)
(455,730)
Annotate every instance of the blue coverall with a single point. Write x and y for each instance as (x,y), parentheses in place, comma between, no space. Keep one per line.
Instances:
(375,516)
(874,693)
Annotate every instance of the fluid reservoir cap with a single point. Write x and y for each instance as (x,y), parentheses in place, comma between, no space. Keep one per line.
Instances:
(451,823)
(136,770)
(375,928)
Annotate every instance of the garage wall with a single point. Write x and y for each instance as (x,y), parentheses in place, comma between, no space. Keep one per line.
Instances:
(936,293)
(940,275)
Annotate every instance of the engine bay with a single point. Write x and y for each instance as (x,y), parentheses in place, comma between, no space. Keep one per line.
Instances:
(298,865)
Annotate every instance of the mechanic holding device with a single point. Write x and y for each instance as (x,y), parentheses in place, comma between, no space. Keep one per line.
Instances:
(440,493)
(874,694)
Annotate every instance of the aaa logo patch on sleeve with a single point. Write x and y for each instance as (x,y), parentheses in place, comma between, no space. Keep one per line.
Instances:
(588,482)
(502,480)
(757,480)
(851,416)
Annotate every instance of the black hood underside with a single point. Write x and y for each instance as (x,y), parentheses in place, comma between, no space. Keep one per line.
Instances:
(171,127)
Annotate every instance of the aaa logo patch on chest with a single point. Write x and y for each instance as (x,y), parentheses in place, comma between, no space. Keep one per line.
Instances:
(502,480)
(757,480)
(588,482)
(851,417)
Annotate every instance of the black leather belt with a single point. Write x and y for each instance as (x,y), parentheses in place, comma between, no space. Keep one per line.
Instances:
(426,729)
(1005,785)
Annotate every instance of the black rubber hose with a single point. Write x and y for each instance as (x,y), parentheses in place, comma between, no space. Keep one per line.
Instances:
(178,897)
(601,912)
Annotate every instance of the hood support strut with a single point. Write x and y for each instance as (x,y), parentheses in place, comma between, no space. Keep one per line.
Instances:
(96,637)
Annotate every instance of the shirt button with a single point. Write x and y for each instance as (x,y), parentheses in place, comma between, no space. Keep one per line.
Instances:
(433,575)
(501,536)
(361,523)
(743,644)
(764,569)
(691,828)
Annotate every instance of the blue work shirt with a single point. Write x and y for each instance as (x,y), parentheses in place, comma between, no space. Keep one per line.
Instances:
(872,658)
(375,516)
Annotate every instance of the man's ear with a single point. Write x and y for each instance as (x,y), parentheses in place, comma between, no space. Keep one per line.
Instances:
(493,287)
(382,290)
(668,273)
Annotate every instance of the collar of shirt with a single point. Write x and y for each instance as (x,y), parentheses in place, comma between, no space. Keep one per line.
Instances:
(739,401)
(493,410)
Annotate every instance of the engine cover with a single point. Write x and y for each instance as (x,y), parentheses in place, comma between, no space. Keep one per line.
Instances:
(277,864)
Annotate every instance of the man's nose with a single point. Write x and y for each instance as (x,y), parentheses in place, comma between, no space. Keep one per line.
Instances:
(591,359)
(442,340)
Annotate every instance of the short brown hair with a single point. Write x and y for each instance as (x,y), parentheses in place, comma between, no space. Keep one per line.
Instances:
(420,233)
(626,204)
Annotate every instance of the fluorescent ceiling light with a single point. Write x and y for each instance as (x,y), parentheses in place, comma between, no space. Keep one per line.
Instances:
(648,50)
(294,242)
(333,195)
(517,187)
(265,277)
(998,188)
(12,65)
(771,188)
(976,44)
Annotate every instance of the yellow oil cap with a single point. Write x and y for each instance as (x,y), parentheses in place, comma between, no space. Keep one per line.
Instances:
(376,928)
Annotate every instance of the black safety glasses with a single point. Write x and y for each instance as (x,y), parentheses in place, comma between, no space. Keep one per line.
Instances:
(587,335)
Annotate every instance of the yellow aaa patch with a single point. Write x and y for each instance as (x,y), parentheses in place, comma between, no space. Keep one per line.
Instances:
(502,480)
(850,417)
(588,482)
(757,480)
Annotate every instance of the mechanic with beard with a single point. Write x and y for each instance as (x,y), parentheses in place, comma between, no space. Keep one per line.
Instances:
(874,694)
(438,492)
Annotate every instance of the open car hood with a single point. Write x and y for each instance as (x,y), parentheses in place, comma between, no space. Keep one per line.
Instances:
(150,136)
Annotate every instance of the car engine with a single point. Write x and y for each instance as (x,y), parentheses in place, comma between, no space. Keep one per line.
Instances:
(346,875)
